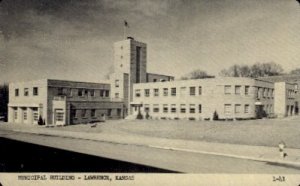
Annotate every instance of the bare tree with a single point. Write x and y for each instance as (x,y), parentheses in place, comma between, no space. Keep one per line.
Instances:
(197,74)
(254,71)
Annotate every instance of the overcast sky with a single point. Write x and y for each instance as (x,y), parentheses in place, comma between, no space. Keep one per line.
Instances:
(72,39)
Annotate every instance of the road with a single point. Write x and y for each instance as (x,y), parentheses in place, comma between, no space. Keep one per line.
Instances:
(162,159)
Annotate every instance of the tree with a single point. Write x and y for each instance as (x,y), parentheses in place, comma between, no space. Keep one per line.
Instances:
(254,71)
(197,74)
(295,71)
(3,100)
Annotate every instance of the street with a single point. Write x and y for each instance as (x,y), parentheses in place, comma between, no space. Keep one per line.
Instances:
(162,159)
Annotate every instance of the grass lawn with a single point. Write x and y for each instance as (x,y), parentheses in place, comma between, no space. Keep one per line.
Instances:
(266,132)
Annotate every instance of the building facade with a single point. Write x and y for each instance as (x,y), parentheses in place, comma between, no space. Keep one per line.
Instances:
(229,98)
(130,67)
(60,102)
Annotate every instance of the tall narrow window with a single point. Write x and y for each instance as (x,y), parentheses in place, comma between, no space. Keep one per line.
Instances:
(192,91)
(147,92)
(92,93)
(227,89)
(247,90)
(247,108)
(192,108)
(16,92)
(182,108)
(117,83)
(83,113)
(165,108)
(35,91)
(173,108)
(227,108)
(137,93)
(138,63)
(237,90)
(237,108)
(200,108)
(26,92)
(173,91)
(165,91)
(156,92)
(93,113)
(156,108)
(147,108)
(200,90)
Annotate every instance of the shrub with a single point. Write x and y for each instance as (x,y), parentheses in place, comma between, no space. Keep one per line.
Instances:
(40,121)
(215,116)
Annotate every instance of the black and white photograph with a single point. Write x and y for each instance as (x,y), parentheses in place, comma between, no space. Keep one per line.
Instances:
(149,92)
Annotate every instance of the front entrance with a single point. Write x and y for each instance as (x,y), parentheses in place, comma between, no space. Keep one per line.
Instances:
(59,116)
(259,111)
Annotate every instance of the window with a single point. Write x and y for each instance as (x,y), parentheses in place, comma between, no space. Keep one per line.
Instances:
(147,92)
(182,108)
(25,113)
(200,90)
(247,108)
(117,95)
(93,113)
(106,93)
(156,92)
(35,91)
(165,91)
(155,108)
(192,108)
(117,83)
(147,108)
(182,91)
(237,108)
(26,92)
(247,90)
(15,113)
(165,108)
(173,91)
(173,108)
(237,90)
(59,115)
(227,108)
(192,91)
(200,108)
(16,92)
(137,93)
(35,114)
(83,113)
(154,80)
(227,89)
(80,92)
(102,93)
(92,93)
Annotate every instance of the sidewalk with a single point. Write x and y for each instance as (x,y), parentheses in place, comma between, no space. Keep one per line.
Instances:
(258,153)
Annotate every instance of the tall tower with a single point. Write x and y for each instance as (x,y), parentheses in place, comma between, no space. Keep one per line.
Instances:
(130,66)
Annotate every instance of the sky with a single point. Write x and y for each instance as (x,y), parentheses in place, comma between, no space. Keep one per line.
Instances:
(73,39)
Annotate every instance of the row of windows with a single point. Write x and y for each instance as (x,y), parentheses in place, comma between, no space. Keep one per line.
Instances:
(264,92)
(237,89)
(81,92)
(86,113)
(35,114)
(35,91)
(173,108)
(169,91)
(237,108)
